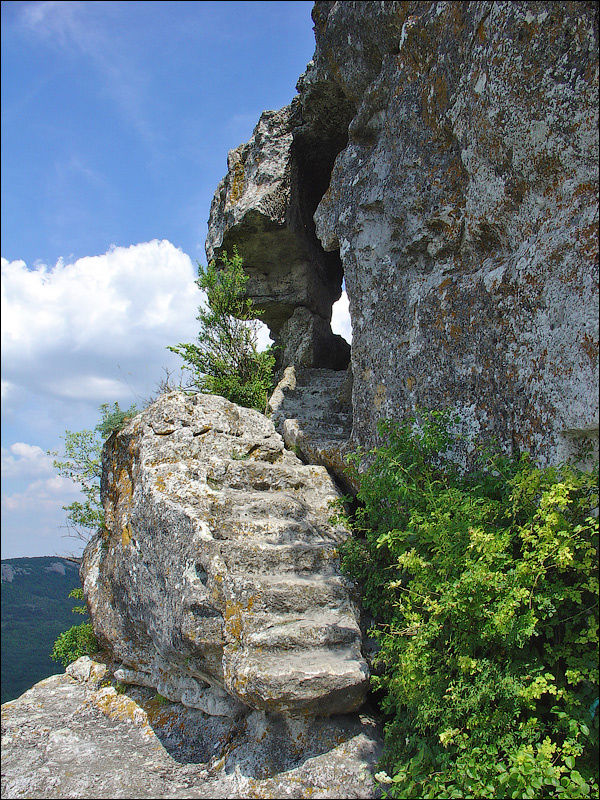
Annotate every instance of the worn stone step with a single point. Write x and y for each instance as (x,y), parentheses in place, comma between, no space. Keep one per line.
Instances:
(291,592)
(274,531)
(268,558)
(312,680)
(311,408)
(325,628)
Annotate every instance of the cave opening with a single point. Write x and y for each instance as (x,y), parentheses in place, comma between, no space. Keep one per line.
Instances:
(313,158)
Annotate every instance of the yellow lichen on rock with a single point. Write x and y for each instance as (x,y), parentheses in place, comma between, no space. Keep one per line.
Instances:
(237,184)
(126,535)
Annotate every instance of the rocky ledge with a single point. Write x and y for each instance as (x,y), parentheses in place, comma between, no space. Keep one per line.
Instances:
(81,735)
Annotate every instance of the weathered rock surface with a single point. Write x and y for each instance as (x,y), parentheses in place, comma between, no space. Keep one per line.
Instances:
(463,203)
(465,209)
(312,410)
(264,207)
(217,579)
(66,738)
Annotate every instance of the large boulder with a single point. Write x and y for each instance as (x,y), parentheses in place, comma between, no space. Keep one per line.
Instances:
(216,580)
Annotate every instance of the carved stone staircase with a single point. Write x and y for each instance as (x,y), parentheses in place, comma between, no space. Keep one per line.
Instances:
(312,409)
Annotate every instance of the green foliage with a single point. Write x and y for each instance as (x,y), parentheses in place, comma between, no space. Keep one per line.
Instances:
(77,594)
(77,641)
(112,419)
(484,588)
(81,462)
(225,360)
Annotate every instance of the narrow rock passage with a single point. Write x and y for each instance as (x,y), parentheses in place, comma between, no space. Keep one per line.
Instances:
(312,409)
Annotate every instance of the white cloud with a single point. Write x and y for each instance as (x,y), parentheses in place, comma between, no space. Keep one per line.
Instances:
(87,387)
(52,18)
(6,389)
(21,459)
(47,494)
(340,318)
(96,329)
(22,462)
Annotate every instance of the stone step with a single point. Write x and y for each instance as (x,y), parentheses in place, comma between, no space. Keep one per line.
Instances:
(274,531)
(292,593)
(327,423)
(311,409)
(322,629)
(327,378)
(261,558)
(314,680)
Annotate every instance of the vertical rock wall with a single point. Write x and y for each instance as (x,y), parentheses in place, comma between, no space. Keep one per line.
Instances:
(462,204)
(465,209)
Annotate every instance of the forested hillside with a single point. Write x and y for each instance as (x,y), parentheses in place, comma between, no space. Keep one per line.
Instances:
(35,609)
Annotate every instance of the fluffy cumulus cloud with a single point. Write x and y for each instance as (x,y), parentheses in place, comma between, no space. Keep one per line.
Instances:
(46,494)
(96,329)
(340,318)
(74,336)
(21,459)
(29,480)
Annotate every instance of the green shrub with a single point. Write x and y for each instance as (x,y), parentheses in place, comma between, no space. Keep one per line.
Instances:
(77,641)
(484,589)
(225,360)
(73,643)
(112,419)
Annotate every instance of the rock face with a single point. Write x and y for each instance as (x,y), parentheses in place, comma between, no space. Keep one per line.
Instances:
(312,408)
(463,205)
(264,207)
(217,579)
(68,737)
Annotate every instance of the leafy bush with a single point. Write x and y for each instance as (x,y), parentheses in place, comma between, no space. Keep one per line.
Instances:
(73,643)
(113,418)
(77,641)
(484,591)
(226,361)
(81,462)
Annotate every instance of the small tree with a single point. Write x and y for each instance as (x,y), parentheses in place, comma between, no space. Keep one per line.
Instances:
(81,463)
(225,360)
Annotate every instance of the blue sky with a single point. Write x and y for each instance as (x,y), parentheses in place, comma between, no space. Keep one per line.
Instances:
(116,122)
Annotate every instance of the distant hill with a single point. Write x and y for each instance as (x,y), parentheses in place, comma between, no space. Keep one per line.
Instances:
(35,609)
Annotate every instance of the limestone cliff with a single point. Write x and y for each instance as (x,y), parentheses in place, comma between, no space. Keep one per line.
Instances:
(448,155)
(441,158)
